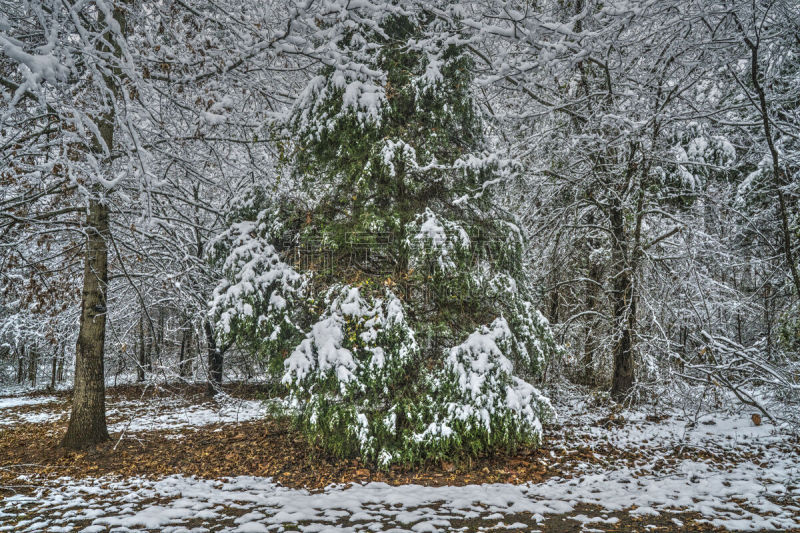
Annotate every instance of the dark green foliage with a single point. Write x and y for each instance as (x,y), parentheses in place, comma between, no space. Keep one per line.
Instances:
(414,351)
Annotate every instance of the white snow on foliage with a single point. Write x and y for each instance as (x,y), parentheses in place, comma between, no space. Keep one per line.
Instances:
(398,150)
(257,273)
(362,92)
(322,350)
(438,237)
(364,98)
(39,67)
(486,377)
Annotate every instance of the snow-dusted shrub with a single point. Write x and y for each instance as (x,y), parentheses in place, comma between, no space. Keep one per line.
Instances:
(361,386)
(437,245)
(426,334)
(345,374)
(261,302)
(476,403)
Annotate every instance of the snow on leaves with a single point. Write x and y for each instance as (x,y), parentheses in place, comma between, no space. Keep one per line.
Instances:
(350,341)
(486,394)
(257,301)
(437,240)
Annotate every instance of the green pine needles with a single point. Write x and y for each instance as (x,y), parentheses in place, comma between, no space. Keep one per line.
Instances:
(391,300)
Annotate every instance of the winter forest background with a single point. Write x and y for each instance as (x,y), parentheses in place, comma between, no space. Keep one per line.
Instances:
(358,200)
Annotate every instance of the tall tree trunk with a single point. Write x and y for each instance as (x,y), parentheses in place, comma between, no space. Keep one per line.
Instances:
(182,353)
(591,342)
(768,318)
(214,360)
(591,324)
(149,352)
(159,338)
(54,369)
(192,349)
(33,366)
(184,363)
(87,423)
(623,307)
(60,371)
(20,366)
(142,360)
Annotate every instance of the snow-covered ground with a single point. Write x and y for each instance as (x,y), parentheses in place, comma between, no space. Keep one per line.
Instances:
(9,402)
(731,473)
(739,475)
(251,504)
(11,414)
(170,415)
(133,416)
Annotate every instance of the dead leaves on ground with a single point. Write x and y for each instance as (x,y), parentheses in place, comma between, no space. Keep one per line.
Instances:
(268,448)
(271,448)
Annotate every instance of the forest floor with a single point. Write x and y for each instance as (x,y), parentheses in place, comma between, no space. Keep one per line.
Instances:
(178,462)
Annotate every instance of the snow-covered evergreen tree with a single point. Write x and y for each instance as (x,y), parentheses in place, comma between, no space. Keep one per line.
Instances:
(426,330)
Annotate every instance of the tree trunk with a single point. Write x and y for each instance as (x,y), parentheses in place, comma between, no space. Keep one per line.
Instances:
(87,423)
(768,318)
(186,344)
(53,370)
(591,343)
(33,366)
(60,371)
(192,349)
(157,342)
(182,353)
(591,324)
(142,360)
(149,352)
(623,307)
(20,366)
(214,360)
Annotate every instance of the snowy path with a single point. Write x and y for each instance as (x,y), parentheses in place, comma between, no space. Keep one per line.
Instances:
(249,504)
(722,470)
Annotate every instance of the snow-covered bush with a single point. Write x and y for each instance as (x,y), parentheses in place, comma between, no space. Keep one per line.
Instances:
(477,403)
(261,301)
(426,334)
(346,373)
(361,386)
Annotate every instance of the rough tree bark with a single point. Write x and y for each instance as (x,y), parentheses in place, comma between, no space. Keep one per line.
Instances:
(20,366)
(184,363)
(87,422)
(140,346)
(624,310)
(60,371)
(33,365)
(53,370)
(592,326)
(214,360)
(148,356)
